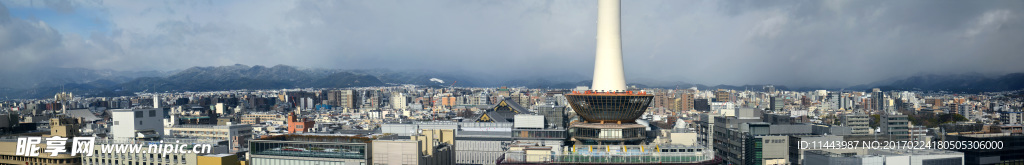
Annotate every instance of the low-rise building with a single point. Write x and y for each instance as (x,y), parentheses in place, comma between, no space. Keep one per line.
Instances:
(237,135)
(310,149)
(428,148)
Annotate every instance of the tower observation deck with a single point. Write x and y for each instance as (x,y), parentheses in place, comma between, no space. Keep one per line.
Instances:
(608,110)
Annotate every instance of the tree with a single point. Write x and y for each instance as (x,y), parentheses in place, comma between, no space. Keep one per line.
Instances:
(875,119)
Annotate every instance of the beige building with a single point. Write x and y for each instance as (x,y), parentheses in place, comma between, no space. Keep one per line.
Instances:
(253,119)
(431,147)
(61,126)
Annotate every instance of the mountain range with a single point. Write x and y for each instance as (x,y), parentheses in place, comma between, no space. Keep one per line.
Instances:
(44,83)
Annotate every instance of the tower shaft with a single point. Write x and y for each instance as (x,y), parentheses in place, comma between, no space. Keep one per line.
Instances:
(608,74)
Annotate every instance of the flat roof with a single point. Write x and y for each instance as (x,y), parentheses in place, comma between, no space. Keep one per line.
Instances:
(219,155)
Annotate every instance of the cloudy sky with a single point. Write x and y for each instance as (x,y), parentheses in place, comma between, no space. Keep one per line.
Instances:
(792,42)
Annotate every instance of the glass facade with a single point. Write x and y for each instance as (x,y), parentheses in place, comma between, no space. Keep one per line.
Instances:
(609,107)
(262,161)
(538,134)
(627,133)
(309,149)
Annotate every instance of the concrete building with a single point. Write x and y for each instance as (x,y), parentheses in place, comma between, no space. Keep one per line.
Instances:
(896,127)
(684,102)
(860,123)
(137,124)
(430,147)
(745,140)
(722,95)
(237,135)
(298,125)
(342,98)
(1011,117)
(399,100)
(796,152)
(475,142)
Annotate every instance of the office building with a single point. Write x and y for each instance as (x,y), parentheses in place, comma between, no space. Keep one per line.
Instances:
(684,102)
(722,95)
(896,127)
(858,122)
(702,105)
(776,104)
(345,99)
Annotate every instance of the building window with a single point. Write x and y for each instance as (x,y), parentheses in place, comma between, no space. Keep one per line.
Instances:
(138,114)
(152,113)
(115,123)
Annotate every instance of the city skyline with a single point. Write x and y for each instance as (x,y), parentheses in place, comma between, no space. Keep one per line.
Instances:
(807,43)
(447,82)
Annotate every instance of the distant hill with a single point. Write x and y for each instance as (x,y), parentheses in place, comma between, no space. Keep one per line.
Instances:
(207,79)
(110,83)
(246,77)
(27,78)
(969,83)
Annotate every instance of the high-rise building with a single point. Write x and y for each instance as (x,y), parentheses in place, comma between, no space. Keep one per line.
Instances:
(776,104)
(398,101)
(878,100)
(722,95)
(345,99)
(684,102)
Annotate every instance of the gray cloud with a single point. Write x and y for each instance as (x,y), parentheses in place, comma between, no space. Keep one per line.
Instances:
(798,43)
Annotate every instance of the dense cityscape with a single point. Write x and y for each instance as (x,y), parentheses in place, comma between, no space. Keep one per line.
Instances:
(510,125)
(361,120)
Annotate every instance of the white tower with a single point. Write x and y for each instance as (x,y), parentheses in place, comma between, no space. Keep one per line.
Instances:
(608,74)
